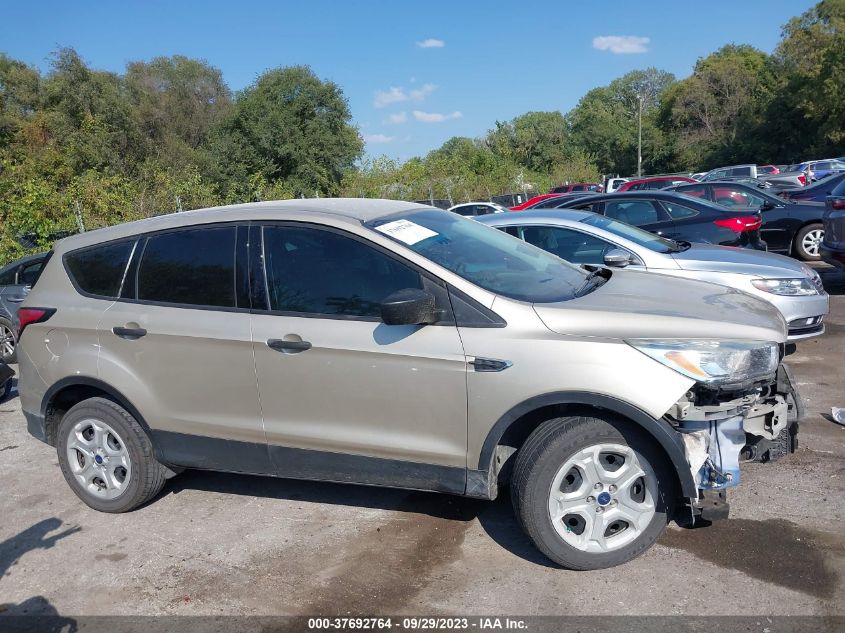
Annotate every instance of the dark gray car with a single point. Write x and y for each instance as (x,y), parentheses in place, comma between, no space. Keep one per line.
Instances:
(16,280)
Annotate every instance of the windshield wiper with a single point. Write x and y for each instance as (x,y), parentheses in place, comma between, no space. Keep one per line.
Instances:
(595,279)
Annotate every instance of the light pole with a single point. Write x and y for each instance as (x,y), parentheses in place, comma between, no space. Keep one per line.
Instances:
(640,135)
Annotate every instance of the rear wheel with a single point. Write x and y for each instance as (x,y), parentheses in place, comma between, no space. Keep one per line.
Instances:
(106,457)
(807,242)
(591,492)
(8,342)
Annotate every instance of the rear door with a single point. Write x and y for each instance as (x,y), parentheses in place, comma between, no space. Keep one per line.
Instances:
(177,343)
(344,396)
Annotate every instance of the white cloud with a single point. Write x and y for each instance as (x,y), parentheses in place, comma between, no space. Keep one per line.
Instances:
(431,42)
(394,119)
(378,138)
(622,44)
(436,117)
(398,95)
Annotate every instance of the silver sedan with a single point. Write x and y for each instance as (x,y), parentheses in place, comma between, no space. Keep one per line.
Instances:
(582,237)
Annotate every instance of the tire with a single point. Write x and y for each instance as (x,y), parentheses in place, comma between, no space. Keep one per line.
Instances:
(812,233)
(8,337)
(539,466)
(5,390)
(123,445)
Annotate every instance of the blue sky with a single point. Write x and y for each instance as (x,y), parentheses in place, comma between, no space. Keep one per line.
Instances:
(415,73)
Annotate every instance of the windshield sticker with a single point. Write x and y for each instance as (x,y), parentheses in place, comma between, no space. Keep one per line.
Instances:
(406,231)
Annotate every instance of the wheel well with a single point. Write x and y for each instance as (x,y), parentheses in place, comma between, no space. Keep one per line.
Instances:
(520,429)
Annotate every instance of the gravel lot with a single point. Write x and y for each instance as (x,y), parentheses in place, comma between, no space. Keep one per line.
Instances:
(215,544)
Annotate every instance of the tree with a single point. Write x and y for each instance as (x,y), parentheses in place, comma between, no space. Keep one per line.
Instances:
(536,140)
(20,95)
(291,126)
(714,110)
(604,123)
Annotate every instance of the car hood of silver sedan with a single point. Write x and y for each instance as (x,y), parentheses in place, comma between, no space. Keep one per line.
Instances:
(635,304)
(744,261)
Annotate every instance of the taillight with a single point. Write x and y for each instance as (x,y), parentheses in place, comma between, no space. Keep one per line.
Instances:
(802,179)
(837,203)
(28,316)
(741,223)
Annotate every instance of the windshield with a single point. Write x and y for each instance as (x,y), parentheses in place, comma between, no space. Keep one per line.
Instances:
(484,256)
(638,236)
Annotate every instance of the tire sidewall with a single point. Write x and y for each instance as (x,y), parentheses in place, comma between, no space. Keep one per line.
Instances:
(799,238)
(99,411)
(13,358)
(559,450)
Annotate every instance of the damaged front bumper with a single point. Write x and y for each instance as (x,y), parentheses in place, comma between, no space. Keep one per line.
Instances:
(723,426)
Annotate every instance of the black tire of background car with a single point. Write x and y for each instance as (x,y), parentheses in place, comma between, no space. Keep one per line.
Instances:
(10,360)
(545,451)
(5,390)
(147,475)
(798,249)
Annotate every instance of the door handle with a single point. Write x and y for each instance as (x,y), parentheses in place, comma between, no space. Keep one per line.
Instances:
(16,299)
(131,333)
(290,347)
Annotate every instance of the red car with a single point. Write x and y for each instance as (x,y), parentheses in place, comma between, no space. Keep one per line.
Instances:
(767,169)
(578,186)
(658,182)
(532,201)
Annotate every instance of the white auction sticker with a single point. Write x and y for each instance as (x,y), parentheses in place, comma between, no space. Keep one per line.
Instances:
(406,231)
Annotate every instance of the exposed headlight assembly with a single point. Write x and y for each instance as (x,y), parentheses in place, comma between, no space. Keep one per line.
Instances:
(786,287)
(713,362)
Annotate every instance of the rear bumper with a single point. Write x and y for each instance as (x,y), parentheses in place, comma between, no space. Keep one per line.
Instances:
(833,256)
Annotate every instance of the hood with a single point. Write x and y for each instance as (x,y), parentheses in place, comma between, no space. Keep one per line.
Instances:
(633,304)
(744,261)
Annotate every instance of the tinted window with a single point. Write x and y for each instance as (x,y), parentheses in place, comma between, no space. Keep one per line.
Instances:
(741,171)
(638,236)
(678,211)
(735,197)
(634,212)
(194,267)
(573,246)
(8,278)
(28,275)
(839,190)
(321,272)
(99,270)
(484,256)
(697,191)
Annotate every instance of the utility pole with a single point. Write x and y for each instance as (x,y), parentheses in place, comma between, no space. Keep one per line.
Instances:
(640,135)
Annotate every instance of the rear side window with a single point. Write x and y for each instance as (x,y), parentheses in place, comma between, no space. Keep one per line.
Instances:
(193,267)
(8,278)
(99,270)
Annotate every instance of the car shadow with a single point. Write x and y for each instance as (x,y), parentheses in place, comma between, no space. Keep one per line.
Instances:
(13,392)
(832,278)
(496,518)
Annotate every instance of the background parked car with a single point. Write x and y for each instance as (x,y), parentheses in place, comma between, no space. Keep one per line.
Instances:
(792,178)
(578,186)
(788,227)
(581,237)
(817,192)
(678,217)
(16,279)
(820,168)
(473,209)
(832,248)
(533,201)
(658,182)
(559,200)
(768,169)
(612,184)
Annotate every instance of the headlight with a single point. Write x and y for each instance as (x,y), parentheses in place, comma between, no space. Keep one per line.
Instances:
(786,287)
(713,362)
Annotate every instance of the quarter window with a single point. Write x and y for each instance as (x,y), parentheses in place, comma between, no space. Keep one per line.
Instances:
(193,267)
(678,211)
(99,270)
(313,271)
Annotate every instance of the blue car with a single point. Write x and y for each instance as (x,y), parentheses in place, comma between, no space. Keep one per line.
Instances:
(16,280)
(820,168)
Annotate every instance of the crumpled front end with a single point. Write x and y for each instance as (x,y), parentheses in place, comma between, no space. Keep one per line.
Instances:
(722,426)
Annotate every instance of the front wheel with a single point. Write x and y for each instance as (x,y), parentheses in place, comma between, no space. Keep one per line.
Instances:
(106,457)
(591,492)
(8,342)
(807,242)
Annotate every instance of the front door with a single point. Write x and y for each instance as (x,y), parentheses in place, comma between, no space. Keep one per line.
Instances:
(344,396)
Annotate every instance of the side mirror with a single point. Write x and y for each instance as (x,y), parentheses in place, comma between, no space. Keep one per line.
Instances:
(410,306)
(617,258)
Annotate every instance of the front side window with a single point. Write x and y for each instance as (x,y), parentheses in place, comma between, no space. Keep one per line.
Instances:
(99,270)
(189,267)
(315,271)
(483,255)
(632,233)
(573,246)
